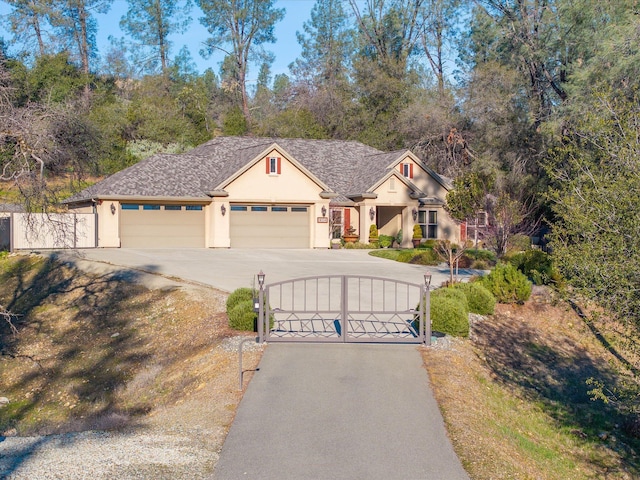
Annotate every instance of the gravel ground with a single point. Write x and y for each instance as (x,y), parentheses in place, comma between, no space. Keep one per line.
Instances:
(182,442)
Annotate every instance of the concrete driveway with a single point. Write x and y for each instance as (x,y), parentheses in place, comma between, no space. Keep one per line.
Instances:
(234,268)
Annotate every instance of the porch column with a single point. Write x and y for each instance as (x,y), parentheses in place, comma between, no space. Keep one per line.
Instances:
(365,219)
(407,227)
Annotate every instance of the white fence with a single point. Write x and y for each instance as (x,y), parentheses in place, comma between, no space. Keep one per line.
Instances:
(54,230)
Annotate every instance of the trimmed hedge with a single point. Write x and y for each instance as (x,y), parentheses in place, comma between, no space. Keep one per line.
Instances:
(449,316)
(242,316)
(428,257)
(480,300)
(452,293)
(240,295)
(507,284)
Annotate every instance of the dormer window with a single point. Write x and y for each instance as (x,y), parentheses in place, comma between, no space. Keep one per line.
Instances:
(274,165)
(407,169)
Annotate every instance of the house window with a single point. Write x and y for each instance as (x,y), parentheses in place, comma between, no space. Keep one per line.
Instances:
(238,208)
(274,165)
(336,223)
(259,208)
(194,207)
(299,209)
(151,207)
(428,221)
(482,219)
(407,169)
(173,207)
(130,206)
(279,209)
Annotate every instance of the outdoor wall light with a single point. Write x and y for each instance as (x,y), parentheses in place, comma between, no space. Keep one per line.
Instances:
(372,213)
(324,211)
(414,213)
(113,209)
(223,209)
(261,276)
(427,280)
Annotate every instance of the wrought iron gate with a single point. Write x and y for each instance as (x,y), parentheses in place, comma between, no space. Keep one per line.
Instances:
(344,308)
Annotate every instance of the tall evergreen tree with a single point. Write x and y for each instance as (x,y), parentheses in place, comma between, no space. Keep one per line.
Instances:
(28,22)
(150,23)
(245,25)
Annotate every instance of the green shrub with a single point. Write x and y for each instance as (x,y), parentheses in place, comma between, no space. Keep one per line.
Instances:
(428,257)
(481,254)
(431,243)
(417,231)
(373,231)
(479,299)
(537,266)
(385,240)
(242,316)
(480,265)
(507,284)
(399,237)
(359,246)
(449,316)
(452,293)
(240,295)
(405,256)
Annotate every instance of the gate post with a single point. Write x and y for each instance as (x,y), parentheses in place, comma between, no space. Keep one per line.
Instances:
(261,321)
(427,316)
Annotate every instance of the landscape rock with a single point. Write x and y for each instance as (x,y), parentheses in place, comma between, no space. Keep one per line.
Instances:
(4,401)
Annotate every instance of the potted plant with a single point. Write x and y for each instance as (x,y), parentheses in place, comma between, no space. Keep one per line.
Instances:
(335,243)
(417,235)
(351,236)
(373,234)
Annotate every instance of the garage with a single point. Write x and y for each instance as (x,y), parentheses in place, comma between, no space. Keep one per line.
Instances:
(269,226)
(162,226)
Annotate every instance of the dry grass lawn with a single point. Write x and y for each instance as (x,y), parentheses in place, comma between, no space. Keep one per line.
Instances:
(516,397)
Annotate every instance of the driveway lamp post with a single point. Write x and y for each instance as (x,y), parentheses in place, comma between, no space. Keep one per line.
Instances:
(427,309)
(260,306)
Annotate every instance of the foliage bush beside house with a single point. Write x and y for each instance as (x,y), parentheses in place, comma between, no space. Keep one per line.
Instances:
(507,284)
(479,299)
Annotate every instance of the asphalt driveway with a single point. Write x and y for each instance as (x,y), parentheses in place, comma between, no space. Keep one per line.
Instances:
(228,269)
(339,411)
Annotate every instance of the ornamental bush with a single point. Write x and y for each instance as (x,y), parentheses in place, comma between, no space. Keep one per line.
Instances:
(538,266)
(242,316)
(428,257)
(240,295)
(456,295)
(507,284)
(449,316)
(479,299)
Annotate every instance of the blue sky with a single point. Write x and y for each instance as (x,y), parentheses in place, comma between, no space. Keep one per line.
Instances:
(286,49)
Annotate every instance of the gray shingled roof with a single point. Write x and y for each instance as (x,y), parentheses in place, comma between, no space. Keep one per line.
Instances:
(347,167)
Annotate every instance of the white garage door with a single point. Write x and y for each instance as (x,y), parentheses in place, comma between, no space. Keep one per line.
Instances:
(269,226)
(161,226)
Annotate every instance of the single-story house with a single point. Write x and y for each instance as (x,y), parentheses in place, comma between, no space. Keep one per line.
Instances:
(245,192)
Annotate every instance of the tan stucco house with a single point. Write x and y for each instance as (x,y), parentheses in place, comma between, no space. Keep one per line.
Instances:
(245,192)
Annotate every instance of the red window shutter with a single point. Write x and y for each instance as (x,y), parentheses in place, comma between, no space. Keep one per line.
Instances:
(463,232)
(268,166)
(401,168)
(279,165)
(347,219)
(411,170)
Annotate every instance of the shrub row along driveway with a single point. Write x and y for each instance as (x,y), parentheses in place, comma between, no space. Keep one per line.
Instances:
(234,268)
